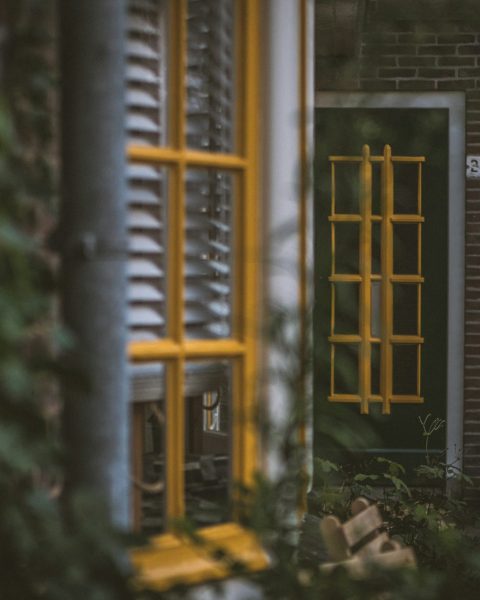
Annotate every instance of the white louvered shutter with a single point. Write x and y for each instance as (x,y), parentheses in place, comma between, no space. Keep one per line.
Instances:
(147,186)
(209,193)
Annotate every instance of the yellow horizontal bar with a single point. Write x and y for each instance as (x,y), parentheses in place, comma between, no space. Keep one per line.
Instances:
(406,339)
(166,349)
(406,279)
(354,159)
(407,399)
(353,398)
(339,218)
(376,277)
(154,350)
(400,159)
(341,338)
(344,398)
(212,348)
(376,218)
(188,157)
(376,340)
(345,278)
(408,159)
(407,219)
(334,158)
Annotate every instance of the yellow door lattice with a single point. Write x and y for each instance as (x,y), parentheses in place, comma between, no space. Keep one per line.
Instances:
(386,340)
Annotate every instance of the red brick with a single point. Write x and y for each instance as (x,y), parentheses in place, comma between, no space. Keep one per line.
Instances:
(377,85)
(379,37)
(416,84)
(456,61)
(465,72)
(473,49)
(386,49)
(416,38)
(436,50)
(379,61)
(416,61)
(393,73)
(456,38)
(438,73)
(456,85)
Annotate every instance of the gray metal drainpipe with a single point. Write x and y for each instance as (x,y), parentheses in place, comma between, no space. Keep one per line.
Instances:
(93,246)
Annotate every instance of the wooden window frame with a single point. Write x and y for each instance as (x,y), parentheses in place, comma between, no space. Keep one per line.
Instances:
(169,558)
(364,337)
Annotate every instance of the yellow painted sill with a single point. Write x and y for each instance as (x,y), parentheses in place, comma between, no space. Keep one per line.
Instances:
(171,559)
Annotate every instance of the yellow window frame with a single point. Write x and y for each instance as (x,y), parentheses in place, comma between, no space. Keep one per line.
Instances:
(387,278)
(169,558)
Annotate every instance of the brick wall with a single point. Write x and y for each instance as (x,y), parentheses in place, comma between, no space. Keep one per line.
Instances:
(423,46)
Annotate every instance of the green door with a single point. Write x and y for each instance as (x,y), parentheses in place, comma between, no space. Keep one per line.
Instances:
(409,132)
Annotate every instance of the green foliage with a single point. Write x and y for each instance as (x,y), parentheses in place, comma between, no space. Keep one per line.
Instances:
(49,550)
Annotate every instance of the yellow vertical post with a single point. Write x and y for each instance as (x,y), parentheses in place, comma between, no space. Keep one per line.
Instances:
(175,450)
(387,271)
(365,273)
(245,427)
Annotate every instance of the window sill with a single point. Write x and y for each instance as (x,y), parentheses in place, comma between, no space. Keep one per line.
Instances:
(171,559)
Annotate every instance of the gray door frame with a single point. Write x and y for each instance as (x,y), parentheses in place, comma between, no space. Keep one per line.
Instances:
(455,103)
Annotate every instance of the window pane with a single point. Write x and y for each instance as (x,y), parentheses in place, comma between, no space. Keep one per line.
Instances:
(208,398)
(147,395)
(376,309)
(406,188)
(210,75)
(346,308)
(346,369)
(376,247)
(405,306)
(147,201)
(347,188)
(147,72)
(405,249)
(405,369)
(375,350)
(209,244)
(376,188)
(346,248)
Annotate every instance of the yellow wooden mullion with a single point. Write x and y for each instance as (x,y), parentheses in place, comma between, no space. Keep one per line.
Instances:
(175,431)
(365,272)
(344,398)
(406,339)
(192,158)
(406,399)
(245,436)
(343,159)
(175,440)
(344,338)
(339,218)
(386,370)
(345,278)
(406,279)
(354,159)
(408,159)
(407,219)
(166,349)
